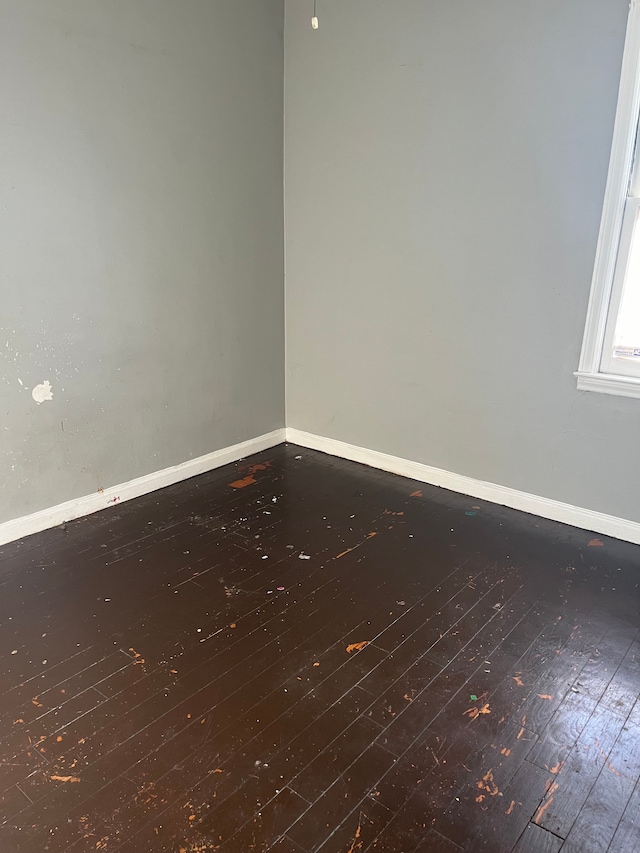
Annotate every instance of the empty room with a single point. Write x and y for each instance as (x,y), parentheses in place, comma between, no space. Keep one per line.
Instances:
(319,426)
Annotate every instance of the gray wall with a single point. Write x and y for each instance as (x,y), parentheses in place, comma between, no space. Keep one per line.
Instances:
(445,171)
(141,236)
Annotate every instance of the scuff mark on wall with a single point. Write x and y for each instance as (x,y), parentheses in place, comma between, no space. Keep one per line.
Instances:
(42,392)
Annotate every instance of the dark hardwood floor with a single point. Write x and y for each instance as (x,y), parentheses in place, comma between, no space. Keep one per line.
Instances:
(298,653)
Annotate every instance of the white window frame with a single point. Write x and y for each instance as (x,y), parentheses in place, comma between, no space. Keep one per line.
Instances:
(615,229)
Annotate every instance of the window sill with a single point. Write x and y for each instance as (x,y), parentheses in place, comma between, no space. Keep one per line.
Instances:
(609,383)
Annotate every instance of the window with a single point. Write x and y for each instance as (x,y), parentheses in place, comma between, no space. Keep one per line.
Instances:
(610,359)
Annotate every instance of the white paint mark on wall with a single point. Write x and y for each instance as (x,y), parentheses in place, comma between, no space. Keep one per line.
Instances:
(42,392)
(20,381)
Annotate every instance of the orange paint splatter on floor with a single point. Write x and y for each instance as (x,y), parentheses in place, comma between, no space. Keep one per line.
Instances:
(506,752)
(487,784)
(473,713)
(546,804)
(356,837)
(522,730)
(511,807)
(416,494)
(261,466)
(249,479)
(342,553)
(556,768)
(596,543)
(518,680)
(356,647)
(138,657)
(253,468)
(242,484)
(545,696)
(607,762)
(65,779)
(349,550)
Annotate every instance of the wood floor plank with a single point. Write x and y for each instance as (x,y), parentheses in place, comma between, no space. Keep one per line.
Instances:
(535,839)
(572,784)
(433,842)
(504,826)
(482,796)
(627,836)
(584,695)
(317,824)
(598,819)
(360,827)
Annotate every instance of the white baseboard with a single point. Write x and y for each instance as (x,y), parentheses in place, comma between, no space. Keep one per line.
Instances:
(587,519)
(46,518)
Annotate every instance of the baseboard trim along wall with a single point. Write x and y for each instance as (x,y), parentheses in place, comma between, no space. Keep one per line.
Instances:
(51,517)
(587,519)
